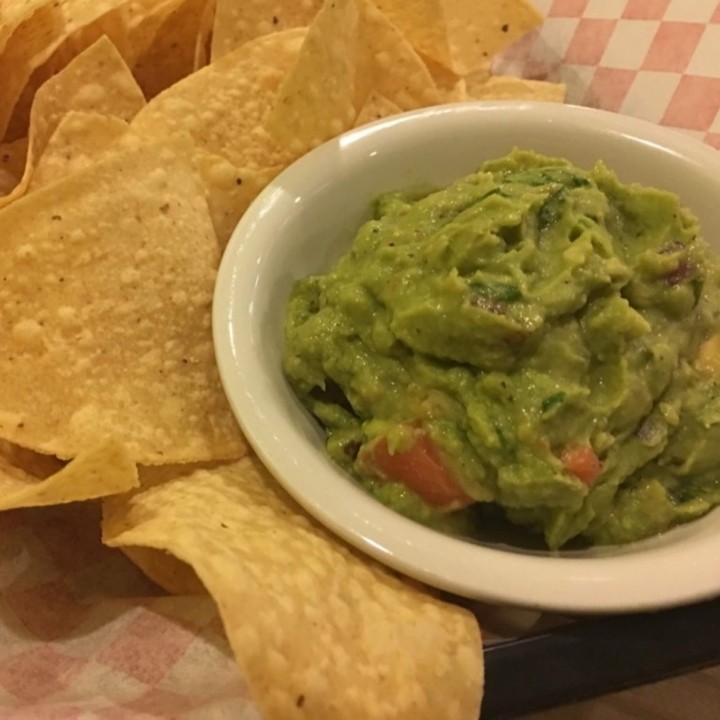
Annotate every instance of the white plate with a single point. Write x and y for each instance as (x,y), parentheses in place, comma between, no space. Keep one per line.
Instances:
(308,216)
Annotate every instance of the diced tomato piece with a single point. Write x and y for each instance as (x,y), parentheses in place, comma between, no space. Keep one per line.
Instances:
(581,461)
(420,468)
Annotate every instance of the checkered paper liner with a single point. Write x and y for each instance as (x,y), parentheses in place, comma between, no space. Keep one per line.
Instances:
(84,636)
(658,60)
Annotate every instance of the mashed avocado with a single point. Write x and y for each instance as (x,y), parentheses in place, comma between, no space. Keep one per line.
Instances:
(530,339)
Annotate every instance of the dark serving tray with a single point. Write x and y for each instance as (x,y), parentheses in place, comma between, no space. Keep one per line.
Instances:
(593,656)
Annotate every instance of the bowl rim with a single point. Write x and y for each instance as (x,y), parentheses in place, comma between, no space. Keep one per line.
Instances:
(640,576)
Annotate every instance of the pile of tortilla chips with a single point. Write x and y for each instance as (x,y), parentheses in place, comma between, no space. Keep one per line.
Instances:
(133,135)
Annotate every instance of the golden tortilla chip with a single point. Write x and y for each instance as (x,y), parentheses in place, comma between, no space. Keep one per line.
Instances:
(80,139)
(141,20)
(12,164)
(461,35)
(84,22)
(28,479)
(451,86)
(12,14)
(20,464)
(171,55)
(239,22)
(388,64)
(318,630)
(477,77)
(351,50)
(106,331)
(96,80)
(165,570)
(222,105)
(424,23)
(205,36)
(228,190)
(376,107)
(512,88)
(317,99)
(479,29)
(34,30)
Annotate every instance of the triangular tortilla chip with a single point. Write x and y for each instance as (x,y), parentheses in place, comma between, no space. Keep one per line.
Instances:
(451,86)
(350,51)
(171,55)
(479,29)
(80,140)
(318,630)
(13,156)
(239,22)
(28,479)
(388,64)
(512,88)
(204,36)
(83,139)
(228,190)
(376,107)
(33,31)
(317,99)
(165,570)
(98,80)
(461,35)
(83,23)
(119,323)
(222,105)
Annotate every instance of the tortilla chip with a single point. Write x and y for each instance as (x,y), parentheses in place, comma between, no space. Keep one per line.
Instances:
(166,571)
(239,22)
(18,464)
(228,191)
(512,88)
(33,32)
(317,100)
(96,80)
(222,105)
(351,50)
(461,35)
(451,86)
(80,139)
(12,14)
(29,479)
(388,64)
(171,55)
(318,630)
(84,22)
(477,77)
(12,164)
(115,266)
(479,29)
(424,23)
(376,107)
(205,36)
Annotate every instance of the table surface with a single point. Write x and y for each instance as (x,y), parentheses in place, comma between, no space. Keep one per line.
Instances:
(593,657)
(694,695)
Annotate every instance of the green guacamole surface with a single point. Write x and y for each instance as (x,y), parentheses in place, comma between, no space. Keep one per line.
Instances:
(525,310)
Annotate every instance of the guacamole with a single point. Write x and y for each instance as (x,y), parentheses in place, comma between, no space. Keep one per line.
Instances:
(533,340)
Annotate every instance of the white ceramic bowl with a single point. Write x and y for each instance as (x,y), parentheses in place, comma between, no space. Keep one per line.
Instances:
(307,217)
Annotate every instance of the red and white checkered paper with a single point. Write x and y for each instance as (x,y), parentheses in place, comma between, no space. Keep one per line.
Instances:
(83,636)
(658,60)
